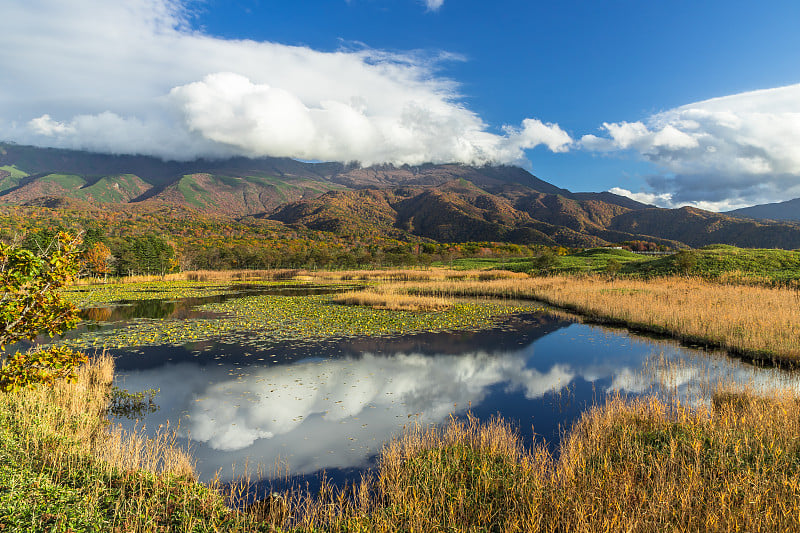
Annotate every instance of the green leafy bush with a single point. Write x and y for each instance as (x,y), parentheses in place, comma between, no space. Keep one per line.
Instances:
(44,366)
(31,304)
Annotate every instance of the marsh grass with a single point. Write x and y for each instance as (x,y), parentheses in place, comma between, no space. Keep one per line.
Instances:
(63,469)
(288,274)
(390,298)
(202,275)
(630,465)
(757,322)
(633,465)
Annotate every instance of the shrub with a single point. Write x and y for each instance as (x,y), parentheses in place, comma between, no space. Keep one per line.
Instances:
(30,305)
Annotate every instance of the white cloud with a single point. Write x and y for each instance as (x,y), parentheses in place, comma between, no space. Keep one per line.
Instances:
(335,413)
(338,412)
(434,5)
(132,77)
(735,150)
(534,132)
(661,200)
(666,199)
(46,126)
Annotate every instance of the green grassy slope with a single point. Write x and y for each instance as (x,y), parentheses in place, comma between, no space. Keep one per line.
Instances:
(117,189)
(719,260)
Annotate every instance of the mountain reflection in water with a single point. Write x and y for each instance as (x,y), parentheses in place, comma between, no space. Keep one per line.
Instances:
(333,405)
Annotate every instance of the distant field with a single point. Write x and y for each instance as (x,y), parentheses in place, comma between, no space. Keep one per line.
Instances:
(719,262)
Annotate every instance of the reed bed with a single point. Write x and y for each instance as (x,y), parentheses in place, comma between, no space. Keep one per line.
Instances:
(63,469)
(288,274)
(762,323)
(630,465)
(633,465)
(392,299)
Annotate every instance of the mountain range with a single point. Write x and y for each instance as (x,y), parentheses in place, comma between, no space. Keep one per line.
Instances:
(789,210)
(446,203)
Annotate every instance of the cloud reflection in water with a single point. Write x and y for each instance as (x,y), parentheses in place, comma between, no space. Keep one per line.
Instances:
(337,413)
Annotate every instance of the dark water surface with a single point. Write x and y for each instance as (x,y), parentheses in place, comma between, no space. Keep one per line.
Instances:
(308,407)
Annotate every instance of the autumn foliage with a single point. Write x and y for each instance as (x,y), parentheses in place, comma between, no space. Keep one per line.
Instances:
(30,305)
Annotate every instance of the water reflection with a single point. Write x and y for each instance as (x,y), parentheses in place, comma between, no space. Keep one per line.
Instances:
(333,405)
(186,308)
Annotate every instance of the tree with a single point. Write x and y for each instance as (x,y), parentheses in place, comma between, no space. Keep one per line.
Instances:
(31,305)
(146,254)
(613,266)
(685,261)
(98,258)
(546,260)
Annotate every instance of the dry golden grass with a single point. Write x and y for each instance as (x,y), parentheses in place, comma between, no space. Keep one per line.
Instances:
(203,275)
(640,465)
(61,469)
(649,466)
(629,465)
(759,322)
(390,298)
(81,406)
(286,274)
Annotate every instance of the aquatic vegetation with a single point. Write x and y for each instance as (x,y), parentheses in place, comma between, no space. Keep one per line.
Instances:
(107,293)
(261,319)
(93,295)
(124,403)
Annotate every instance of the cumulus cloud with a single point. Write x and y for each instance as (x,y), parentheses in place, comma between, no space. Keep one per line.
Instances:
(334,413)
(725,152)
(133,77)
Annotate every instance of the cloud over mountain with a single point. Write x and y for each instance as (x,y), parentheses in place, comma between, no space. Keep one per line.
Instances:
(727,151)
(133,77)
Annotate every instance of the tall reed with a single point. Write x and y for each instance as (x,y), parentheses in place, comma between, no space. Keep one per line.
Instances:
(72,472)
(760,322)
(630,465)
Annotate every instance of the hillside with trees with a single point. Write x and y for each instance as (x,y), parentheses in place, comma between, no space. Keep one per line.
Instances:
(269,212)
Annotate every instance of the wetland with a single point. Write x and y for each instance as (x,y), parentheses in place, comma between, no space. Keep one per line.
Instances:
(281,383)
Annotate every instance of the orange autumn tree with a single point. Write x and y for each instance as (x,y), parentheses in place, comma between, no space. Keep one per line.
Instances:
(98,259)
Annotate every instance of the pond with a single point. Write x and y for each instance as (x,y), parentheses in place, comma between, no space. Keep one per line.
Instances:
(284,409)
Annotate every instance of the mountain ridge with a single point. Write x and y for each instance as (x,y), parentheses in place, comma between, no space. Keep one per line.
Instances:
(445,203)
(785,211)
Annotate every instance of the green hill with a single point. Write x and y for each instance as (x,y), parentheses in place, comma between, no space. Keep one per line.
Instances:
(717,261)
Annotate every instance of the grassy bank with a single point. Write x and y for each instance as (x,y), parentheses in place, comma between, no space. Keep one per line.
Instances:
(757,322)
(725,263)
(717,262)
(63,469)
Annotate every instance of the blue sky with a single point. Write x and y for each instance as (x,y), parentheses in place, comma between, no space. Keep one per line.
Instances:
(589,95)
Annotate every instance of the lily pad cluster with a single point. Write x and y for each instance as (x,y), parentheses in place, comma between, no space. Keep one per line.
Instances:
(259,319)
(93,295)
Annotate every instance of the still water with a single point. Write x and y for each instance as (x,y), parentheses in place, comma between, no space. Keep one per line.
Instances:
(305,408)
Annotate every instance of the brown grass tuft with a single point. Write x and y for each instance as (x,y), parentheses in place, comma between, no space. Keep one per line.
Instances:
(389,298)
